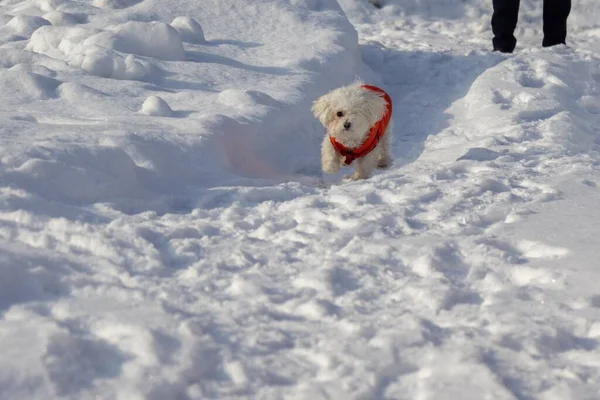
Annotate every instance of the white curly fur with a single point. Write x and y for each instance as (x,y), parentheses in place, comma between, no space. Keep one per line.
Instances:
(362,108)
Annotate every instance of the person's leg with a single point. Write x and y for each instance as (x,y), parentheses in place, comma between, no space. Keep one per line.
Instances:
(555,21)
(504,22)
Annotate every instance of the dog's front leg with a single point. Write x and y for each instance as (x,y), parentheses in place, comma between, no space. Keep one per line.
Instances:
(365,166)
(385,149)
(331,161)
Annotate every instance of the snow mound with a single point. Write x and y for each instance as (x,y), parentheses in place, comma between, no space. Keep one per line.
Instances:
(75,92)
(88,49)
(49,5)
(25,25)
(24,86)
(115,4)
(111,65)
(155,106)
(35,68)
(150,39)
(189,29)
(549,93)
(100,52)
(59,18)
(249,101)
(108,173)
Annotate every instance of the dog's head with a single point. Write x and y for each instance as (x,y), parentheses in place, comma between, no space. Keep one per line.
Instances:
(349,112)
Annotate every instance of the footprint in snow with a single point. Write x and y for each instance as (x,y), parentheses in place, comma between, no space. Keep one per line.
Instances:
(502,98)
(591,104)
(529,81)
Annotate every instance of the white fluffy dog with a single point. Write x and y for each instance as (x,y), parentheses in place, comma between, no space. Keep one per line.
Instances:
(359,127)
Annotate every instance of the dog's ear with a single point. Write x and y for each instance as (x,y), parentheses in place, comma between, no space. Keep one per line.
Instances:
(322,110)
(375,106)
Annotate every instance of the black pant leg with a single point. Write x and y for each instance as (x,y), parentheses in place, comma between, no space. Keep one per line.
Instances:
(504,22)
(555,21)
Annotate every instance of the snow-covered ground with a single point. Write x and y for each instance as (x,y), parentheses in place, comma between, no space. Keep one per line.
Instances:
(166,234)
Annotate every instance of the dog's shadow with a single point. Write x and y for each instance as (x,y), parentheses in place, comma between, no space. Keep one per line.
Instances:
(423,85)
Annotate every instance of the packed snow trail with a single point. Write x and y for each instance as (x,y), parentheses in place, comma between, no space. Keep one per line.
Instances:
(466,272)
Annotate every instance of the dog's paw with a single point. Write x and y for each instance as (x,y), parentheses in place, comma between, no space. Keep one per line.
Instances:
(384,163)
(357,176)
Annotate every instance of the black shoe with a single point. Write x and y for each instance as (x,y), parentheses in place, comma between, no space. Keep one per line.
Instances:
(504,44)
(503,50)
(552,42)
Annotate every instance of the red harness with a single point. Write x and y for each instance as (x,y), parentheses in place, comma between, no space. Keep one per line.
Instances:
(375,133)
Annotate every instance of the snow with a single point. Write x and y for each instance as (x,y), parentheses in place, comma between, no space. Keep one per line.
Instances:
(189,29)
(166,231)
(156,106)
(149,39)
(25,25)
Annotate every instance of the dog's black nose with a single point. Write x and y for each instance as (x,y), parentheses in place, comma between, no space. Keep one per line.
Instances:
(347,125)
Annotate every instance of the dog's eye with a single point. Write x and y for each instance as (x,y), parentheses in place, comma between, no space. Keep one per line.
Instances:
(340,114)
